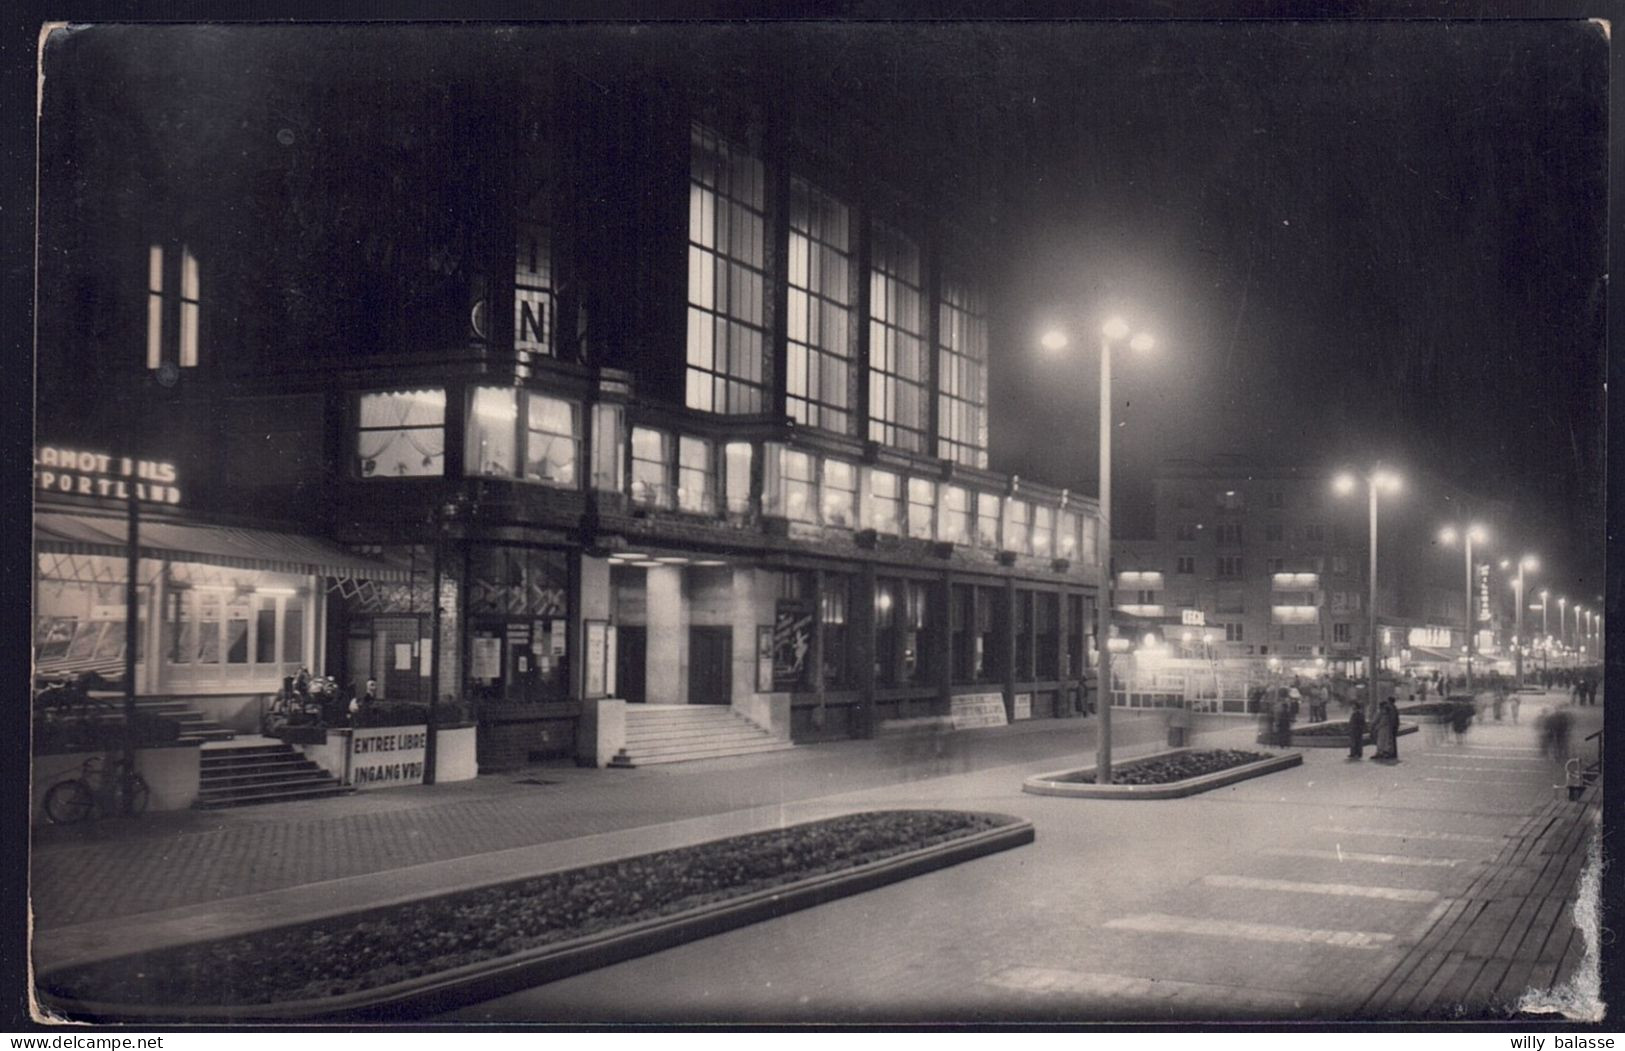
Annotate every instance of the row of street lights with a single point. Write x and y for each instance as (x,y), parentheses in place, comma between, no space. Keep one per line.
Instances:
(1377,480)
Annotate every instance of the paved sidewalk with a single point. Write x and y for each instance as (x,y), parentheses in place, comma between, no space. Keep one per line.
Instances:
(1481,923)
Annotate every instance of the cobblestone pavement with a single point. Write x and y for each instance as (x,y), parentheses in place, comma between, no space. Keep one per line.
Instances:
(111,868)
(1438,887)
(1335,889)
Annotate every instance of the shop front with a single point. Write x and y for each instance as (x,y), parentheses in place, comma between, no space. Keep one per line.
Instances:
(224,614)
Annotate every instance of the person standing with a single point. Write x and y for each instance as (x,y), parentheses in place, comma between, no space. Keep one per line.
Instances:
(1283,723)
(1383,729)
(1516,701)
(1357,733)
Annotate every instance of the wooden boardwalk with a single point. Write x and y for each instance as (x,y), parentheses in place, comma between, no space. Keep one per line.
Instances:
(1512,930)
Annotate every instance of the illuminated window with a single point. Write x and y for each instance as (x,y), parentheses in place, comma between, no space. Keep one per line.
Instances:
(1043,530)
(799,482)
(1066,535)
(548,445)
(1017,522)
(1091,540)
(608,447)
(922,507)
(954,525)
(491,446)
(727,287)
(988,518)
(174,296)
(401,434)
(552,440)
(840,493)
(885,502)
(695,491)
(738,456)
(962,376)
(818,375)
(899,408)
(651,467)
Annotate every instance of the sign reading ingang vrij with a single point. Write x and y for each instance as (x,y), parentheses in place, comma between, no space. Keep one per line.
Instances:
(387,756)
(58,469)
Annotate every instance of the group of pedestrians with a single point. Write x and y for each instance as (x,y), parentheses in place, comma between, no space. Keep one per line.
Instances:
(1384,731)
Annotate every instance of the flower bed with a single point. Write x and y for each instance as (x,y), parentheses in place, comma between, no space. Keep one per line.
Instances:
(1436,709)
(1336,735)
(344,956)
(1166,775)
(1168,768)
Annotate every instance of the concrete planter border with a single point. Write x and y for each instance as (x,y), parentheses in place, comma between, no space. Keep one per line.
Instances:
(1336,741)
(1051,784)
(470,983)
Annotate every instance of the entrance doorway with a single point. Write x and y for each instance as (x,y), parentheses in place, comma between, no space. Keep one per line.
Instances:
(710,680)
(631,641)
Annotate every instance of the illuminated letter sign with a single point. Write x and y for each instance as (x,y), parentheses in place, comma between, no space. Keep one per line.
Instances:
(1484,592)
(63,470)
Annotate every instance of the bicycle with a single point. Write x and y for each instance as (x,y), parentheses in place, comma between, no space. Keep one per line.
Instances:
(116,788)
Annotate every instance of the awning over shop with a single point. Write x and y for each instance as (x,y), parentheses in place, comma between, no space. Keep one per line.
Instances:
(1423,655)
(66,533)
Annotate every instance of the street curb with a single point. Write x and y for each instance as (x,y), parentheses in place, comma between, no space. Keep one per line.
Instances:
(1050,785)
(1306,741)
(428,994)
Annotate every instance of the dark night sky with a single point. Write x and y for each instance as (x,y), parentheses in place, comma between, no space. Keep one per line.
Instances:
(1351,239)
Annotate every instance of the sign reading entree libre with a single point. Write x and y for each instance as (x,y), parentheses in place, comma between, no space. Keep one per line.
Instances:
(387,756)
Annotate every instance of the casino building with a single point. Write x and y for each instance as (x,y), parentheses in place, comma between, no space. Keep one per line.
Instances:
(592,397)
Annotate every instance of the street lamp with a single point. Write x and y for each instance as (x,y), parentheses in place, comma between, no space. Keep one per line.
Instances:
(1526,562)
(1112,332)
(1579,640)
(1563,621)
(1377,479)
(1469,533)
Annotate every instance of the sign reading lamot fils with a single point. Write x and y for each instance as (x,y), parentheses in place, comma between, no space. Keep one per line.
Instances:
(386,756)
(83,473)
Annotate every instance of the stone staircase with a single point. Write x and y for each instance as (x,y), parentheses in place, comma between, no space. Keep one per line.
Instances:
(674,733)
(261,770)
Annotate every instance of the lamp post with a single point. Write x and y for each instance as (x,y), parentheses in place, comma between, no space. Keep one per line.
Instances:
(1114,331)
(1563,620)
(1545,634)
(1526,562)
(1469,533)
(1377,479)
(1579,641)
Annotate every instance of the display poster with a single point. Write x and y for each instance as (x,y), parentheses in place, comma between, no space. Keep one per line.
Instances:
(1024,706)
(556,629)
(764,659)
(978,709)
(792,643)
(611,642)
(425,659)
(597,652)
(538,637)
(485,658)
(386,756)
(403,656)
